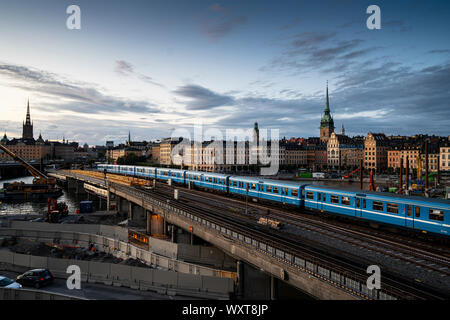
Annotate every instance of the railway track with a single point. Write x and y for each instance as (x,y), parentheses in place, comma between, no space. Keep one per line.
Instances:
(246,224)
(351,266)
(409,254)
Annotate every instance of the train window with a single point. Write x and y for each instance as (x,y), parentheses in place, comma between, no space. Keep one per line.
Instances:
(437,215)
(253,186)
(269,188)
(334,199)
(310,195)
(417,209)
(294,192)
(364,203)
(345,200)
(392,208)
(319,197)
(275,189)
(357,202)
(408,211)
(377,205)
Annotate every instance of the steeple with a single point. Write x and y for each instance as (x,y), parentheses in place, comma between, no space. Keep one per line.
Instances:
(327,104)
(129,138)
(5,139)
(27,132)
(343,130)
(326,123)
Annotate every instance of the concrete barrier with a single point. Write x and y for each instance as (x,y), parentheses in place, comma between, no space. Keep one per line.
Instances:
(22,260)
(115,247)
(99,272)
(27,294)
(121,275)
(161,281)
(37,262)
(162,247)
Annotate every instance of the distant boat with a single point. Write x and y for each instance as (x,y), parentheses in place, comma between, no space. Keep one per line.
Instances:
(27,191)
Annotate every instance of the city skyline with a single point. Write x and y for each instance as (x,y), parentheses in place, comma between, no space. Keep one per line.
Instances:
(228,64)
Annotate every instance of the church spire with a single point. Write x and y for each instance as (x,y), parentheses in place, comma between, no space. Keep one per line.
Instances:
(326,123)
(343,130)
(327,104)
(27,131)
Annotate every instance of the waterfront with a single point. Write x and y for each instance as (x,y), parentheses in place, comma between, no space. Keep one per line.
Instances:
(29,207)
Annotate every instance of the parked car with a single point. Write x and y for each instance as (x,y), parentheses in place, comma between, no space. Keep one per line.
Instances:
(35,278)
(6,282)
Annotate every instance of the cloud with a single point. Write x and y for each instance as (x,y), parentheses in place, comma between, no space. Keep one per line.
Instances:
(220,21)
(126,69)
(317,51)
(439,51)
(201,98)
(79,97)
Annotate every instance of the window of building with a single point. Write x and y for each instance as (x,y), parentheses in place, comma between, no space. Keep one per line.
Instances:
(310,195)
(392,208)
(437,215)
(334,199)
(377,205)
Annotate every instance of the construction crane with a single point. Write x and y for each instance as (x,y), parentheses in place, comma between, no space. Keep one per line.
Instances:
(348,175)
(39,177)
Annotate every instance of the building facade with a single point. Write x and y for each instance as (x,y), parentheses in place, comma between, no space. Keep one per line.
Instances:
(375,151)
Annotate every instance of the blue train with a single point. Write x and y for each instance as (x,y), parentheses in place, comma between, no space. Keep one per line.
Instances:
(422,214)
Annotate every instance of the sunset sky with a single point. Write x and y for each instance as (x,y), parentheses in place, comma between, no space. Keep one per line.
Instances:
(154,66)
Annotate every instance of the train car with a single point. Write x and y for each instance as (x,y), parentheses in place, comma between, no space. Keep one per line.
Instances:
(177,175)
(209,180)
(146,172)
(273,190)
(163,173)
(423,214)
(127,170)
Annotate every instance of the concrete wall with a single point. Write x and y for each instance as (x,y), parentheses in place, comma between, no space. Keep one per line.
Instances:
(112,246)
(205,255)
(165,282)
(27,294)
(108,231)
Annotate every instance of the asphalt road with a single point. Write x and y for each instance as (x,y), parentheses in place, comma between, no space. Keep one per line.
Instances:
(99,291)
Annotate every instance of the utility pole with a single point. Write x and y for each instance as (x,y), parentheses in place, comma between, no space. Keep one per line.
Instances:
(401,176)
(426,166)
(361,175)
(246,198)
(407,174)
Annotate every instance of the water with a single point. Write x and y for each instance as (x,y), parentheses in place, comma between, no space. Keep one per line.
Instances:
(70,199)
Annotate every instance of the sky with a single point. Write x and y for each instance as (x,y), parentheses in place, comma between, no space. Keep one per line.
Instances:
(150,67)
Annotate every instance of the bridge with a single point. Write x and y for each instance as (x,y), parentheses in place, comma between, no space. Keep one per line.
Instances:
(309,269)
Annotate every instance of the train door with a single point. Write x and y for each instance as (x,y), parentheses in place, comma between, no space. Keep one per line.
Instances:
(321,198)
(409,212)
(360,204)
